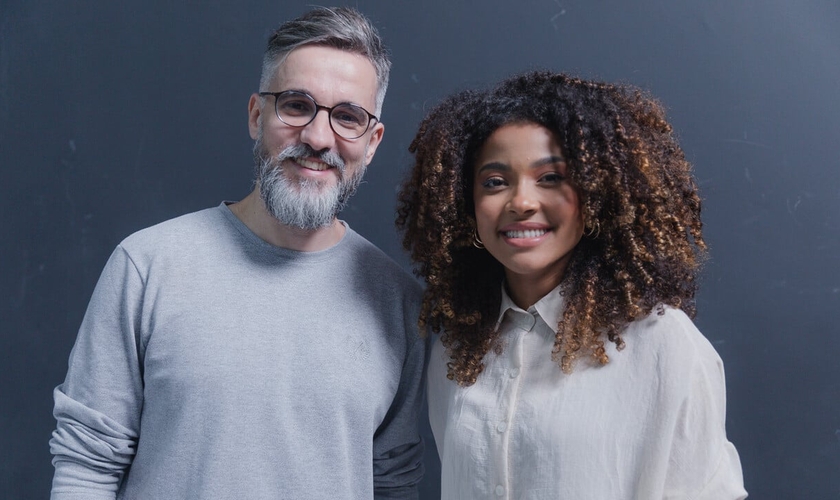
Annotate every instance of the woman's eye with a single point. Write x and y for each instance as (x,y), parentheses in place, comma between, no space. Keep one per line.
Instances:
(493,182)
(552,178)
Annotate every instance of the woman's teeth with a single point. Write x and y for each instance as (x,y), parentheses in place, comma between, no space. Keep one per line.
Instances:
(531,233)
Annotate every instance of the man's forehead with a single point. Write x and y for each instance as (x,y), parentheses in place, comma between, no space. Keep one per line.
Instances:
(328,73)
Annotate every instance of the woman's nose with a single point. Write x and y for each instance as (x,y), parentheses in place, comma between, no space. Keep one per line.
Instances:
(523,199)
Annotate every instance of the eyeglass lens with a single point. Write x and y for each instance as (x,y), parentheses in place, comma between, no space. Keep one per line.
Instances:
(347,120)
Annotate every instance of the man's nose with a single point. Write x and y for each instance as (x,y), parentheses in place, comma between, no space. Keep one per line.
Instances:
(318,134)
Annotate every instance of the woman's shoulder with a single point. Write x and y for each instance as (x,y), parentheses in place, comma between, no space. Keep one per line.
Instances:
(438,357)
(668,334)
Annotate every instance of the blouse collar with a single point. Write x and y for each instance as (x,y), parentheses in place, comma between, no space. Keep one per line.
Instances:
(549,308)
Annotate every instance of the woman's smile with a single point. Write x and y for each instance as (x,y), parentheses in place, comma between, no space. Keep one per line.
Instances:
(527,213)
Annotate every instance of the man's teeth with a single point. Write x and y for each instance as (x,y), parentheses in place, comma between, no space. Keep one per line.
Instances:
(531,233)
(312,165)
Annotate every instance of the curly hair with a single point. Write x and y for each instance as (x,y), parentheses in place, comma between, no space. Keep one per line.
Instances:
(642,247)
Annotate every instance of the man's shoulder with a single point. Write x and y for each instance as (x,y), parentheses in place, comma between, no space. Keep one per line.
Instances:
(379,264)
(187,228)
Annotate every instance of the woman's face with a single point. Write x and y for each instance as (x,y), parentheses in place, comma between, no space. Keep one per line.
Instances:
(528,214)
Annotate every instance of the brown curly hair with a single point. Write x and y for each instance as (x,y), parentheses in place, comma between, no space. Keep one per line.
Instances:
(643,244)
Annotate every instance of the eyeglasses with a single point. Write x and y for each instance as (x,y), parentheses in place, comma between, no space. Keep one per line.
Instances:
(298,109)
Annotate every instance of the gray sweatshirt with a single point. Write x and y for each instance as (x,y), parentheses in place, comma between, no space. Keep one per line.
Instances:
(213,365)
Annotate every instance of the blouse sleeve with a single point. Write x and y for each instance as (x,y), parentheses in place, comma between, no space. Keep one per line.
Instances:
(439,394)
(703,464)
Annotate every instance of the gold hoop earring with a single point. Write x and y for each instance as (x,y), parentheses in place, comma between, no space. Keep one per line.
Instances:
(476,240)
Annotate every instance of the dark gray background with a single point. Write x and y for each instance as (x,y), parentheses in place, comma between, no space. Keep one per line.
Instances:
(115,116)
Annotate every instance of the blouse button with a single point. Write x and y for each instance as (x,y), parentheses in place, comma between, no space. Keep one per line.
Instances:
(500,490)
(530,321)
(514,373)
(502,427)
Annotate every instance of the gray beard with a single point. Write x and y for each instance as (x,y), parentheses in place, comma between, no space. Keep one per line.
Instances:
(302,203)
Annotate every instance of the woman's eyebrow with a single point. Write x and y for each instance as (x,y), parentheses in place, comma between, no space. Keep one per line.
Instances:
(503,167)
(547,161)
(494,165)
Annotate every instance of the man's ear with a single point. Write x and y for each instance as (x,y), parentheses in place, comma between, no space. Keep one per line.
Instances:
(375,138)
(254,115)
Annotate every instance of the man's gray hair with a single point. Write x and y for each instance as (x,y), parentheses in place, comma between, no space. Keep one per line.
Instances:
(342,28)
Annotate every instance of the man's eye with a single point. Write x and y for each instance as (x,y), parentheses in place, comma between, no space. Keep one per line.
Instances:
(347,118)
(348,115)
(296,107)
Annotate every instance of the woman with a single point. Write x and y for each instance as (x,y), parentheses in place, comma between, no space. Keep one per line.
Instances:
(557,226)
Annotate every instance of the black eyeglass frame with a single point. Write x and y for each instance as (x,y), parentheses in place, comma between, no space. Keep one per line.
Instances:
(319,107)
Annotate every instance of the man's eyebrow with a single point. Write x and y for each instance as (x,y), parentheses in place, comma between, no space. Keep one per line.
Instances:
(304,91)
(503,167)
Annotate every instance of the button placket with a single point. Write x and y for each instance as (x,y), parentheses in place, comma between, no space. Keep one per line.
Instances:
(525,323)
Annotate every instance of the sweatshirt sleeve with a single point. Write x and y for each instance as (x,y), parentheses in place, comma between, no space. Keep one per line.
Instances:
(98,406)
(397,446)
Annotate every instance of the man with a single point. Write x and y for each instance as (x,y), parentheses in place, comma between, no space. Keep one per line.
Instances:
(261,349)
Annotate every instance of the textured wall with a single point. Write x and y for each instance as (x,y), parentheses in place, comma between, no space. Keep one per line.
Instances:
(114,117)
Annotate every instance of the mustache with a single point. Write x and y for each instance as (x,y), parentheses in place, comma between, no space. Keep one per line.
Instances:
(330,158)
